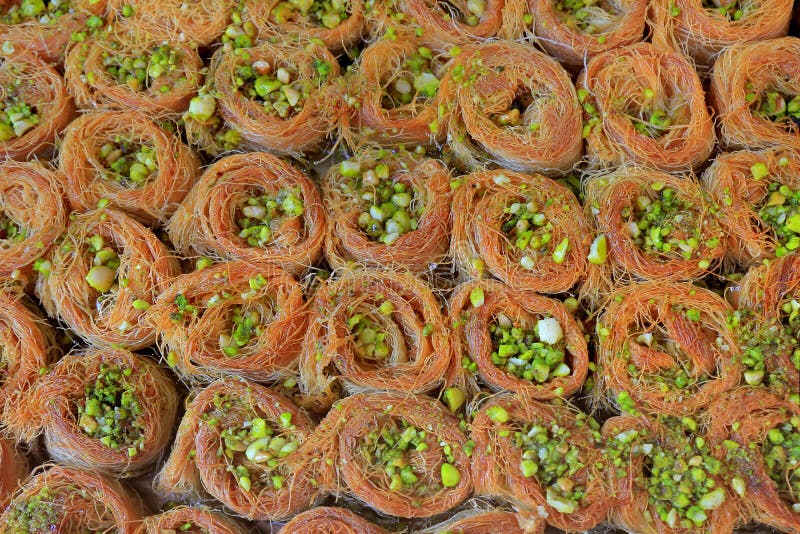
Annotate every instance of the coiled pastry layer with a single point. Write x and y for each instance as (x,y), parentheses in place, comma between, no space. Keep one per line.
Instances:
(373,329)
(253,207)
(151,191)
(388,209)
(108,410)
(665,348)
(645,105)
(527,230)
(516,108)
(752,86)
(258,432)
(234,318)
(103,275)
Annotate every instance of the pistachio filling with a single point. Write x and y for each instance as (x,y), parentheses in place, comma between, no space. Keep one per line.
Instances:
(245,325)
(369,341)
(732,9)
(652,122)
(110,411)
(679,476)
(591,118)
(760,339)
(532,233)
(227,138)
(280,90)
(550,454)
(183,308)
(781,451)
(37,513)
(414,83)
(16,116)
(255,450)
(128,163)
(188,528)
(41,11)
(776,106)
(102,276)
(325,13)
(790,321)
(469,364)
(781,212)
(401,451)
(203,109)
(11,232)
(239,33)
(619,448)
(662,223)
(388,452)
(586,16)
(263,216)
(389,207)
(469,12)
(144,70)
(537,355)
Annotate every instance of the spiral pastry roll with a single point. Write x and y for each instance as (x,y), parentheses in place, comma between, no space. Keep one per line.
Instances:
(758,435)
(331,519)
(668,477)
(645,105)
(103,275)
(518,341)
(373,329)
(15,469)
(199,23)
(278,97)
(120,73)
(767,324)
(338,24)
(575,32)
(404,88)
(703,28)
(254,207)
(666,348)
(191,519)
(33,215)
(388,209)
(34,106)
(232,318)
(440,24)
(516,108)
(65,499)
(125,157)
(399,453)
(26,348)
(655,225)
(107,410)
(527,230)
(759,193)
(755,91)
(46,27)
(544,458)
(238,443)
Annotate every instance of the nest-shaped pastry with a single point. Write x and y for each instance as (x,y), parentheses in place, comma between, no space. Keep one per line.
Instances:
(128,159)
